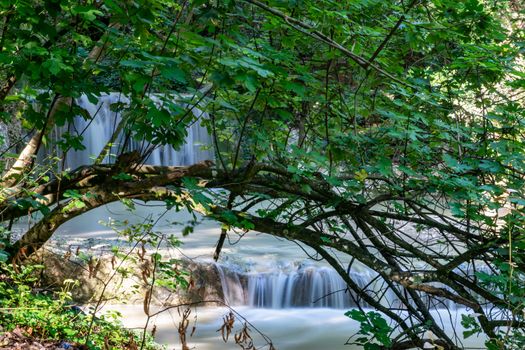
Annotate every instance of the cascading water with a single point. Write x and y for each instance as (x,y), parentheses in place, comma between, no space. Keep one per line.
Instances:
(307,286)
(96,132)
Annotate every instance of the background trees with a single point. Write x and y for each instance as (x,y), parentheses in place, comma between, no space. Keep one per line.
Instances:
(388,131)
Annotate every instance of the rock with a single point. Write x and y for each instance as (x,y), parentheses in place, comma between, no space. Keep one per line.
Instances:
(129,284)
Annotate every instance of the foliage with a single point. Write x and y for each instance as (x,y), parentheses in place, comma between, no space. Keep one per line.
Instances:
(374,328)
(54,317)
(391,132)
(142,238)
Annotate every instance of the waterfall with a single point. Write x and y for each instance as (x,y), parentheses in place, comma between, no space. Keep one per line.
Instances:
(232,287)
(309,286)
(97,131)
(312,286)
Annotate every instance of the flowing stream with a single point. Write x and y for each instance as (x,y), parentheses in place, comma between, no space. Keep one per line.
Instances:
(297,302)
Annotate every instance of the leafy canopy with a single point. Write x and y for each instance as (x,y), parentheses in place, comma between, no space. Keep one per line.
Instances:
(347,123)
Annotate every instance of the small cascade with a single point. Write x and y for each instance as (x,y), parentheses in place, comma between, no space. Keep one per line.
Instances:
(232,288)
(309,286)
(97,131)
(304,287)
(315,287)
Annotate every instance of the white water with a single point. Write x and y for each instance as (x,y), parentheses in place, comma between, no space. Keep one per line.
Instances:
(294,329)
(297,302)
(288,329)
(98,131)
(266,261)
(306,285)
(264,256)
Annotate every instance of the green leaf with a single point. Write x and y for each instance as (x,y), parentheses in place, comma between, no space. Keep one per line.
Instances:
(174,73)
(4,256)
(187,230)
(384,166)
